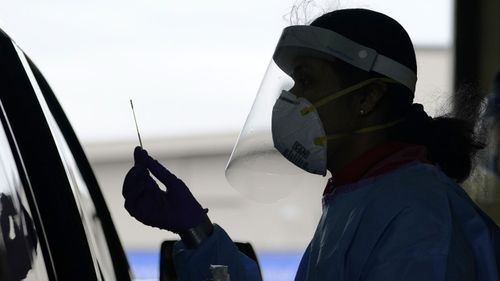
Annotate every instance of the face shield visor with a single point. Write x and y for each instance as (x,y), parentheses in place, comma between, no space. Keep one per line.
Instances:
(257,167)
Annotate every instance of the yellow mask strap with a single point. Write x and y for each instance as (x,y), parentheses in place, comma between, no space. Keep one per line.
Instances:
(324,139)
(343,92)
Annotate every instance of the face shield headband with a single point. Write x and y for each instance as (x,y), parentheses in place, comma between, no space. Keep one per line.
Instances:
(302,40)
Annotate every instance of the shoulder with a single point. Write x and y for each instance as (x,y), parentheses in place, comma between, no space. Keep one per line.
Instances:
(414,201)
(420,203)
(417,213)
(416,185)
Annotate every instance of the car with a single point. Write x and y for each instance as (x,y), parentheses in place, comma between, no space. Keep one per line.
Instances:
(54,222)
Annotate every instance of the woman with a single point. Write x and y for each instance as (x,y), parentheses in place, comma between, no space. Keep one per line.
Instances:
(392,210)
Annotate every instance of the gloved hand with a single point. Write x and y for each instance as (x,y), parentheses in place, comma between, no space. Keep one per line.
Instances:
(175,210)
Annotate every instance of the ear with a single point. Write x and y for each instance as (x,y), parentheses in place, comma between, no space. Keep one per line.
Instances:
(371,97)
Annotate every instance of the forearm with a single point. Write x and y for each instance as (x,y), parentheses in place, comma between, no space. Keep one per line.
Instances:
(216,249)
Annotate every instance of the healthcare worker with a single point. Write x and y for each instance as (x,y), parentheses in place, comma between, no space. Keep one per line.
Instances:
(338,98)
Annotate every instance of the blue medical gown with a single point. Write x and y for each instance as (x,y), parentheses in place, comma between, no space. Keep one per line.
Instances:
(413,223)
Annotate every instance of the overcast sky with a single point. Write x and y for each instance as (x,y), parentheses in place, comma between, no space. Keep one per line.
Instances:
(191,67)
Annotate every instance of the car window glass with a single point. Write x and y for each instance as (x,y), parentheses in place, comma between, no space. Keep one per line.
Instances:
(20,239)
(91,221)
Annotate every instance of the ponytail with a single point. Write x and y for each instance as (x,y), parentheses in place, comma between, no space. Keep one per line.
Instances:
(452,142)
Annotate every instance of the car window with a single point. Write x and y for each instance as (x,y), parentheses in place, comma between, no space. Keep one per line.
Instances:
(19,238)
(92,224)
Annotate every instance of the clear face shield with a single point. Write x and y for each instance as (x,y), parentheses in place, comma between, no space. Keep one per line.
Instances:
(282,145)
(256,168)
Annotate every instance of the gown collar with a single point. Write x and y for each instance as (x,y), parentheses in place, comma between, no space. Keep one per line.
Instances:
(377,161)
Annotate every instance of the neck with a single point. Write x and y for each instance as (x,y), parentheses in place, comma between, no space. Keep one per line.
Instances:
(348,149)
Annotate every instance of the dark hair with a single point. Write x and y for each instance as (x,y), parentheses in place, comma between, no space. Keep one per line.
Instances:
(451,141)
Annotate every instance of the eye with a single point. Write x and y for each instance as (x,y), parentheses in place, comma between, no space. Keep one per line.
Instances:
(303,82)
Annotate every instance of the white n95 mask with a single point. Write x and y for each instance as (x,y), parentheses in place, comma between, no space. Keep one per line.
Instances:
(298,132)
(294,133)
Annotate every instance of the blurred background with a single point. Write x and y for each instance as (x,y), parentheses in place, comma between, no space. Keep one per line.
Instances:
(192,69)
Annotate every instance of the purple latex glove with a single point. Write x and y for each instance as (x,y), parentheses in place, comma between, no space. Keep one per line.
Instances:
(175,210)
